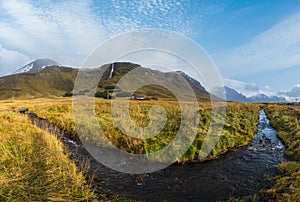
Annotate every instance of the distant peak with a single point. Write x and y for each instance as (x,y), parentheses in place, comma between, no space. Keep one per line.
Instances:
(37,65)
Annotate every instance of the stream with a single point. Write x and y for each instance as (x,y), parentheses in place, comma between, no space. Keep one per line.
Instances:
(237,173)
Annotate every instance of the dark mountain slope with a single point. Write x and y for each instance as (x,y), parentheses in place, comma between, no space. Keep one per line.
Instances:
(57,80)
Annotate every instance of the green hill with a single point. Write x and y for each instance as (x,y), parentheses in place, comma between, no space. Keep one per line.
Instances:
(56,81)
(145,75)
(51,81)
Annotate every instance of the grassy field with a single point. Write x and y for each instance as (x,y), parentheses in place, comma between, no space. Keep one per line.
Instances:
(34,166)
(287,184)
(239,127)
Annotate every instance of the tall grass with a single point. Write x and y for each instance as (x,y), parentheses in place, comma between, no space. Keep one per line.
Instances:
(239,128)
(287,122)
(287,183)
(34,165)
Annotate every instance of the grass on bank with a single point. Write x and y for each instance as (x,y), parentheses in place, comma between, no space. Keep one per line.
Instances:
(287,122)
(34,166)
(287,183)
(239,127)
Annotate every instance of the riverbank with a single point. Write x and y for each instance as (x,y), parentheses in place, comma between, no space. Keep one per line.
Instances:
(287,182)
(235,174)
(34,166)
(239,128)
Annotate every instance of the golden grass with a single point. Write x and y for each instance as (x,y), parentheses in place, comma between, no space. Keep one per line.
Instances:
(239,128)
(33,164)
(21,142)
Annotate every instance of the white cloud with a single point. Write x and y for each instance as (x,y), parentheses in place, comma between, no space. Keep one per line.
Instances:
(67,31)
(297,86)
(247,89)
(276,48)
(11,60)
(178,15)
(156,49)
(64,31)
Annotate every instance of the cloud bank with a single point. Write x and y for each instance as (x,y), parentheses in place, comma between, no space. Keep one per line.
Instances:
(64,31)
(10,59)
(67,31)
(276,48)
(247,89)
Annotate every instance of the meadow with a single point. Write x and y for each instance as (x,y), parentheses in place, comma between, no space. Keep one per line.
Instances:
(34,165)
(35,162)
(239,127)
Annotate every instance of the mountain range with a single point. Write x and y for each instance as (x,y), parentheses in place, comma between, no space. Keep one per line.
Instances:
(45,77)
(235,96)
(265,98)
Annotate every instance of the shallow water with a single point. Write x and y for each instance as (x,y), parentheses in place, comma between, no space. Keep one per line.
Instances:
(237,173)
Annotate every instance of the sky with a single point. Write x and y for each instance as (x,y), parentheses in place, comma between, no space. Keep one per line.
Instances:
(253,43)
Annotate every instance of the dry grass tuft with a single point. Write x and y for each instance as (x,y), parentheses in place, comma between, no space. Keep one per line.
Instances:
(34,166)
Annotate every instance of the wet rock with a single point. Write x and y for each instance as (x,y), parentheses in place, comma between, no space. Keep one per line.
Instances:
(252,148)
(139,184)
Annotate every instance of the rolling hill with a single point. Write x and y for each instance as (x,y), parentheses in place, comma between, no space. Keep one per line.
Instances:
(56,81)
(50,81)
(140,75)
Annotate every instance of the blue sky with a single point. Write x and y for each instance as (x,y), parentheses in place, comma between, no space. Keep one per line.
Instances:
(256,42)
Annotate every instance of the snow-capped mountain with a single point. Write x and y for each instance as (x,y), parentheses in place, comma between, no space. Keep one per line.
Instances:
(265,98)
(292,95)
(235,96)
(250,92)
(37,65)
(246,89)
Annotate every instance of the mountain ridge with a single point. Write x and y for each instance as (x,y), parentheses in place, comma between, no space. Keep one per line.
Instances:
(265,98)
(58,81)
(230,94)
(235,96)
